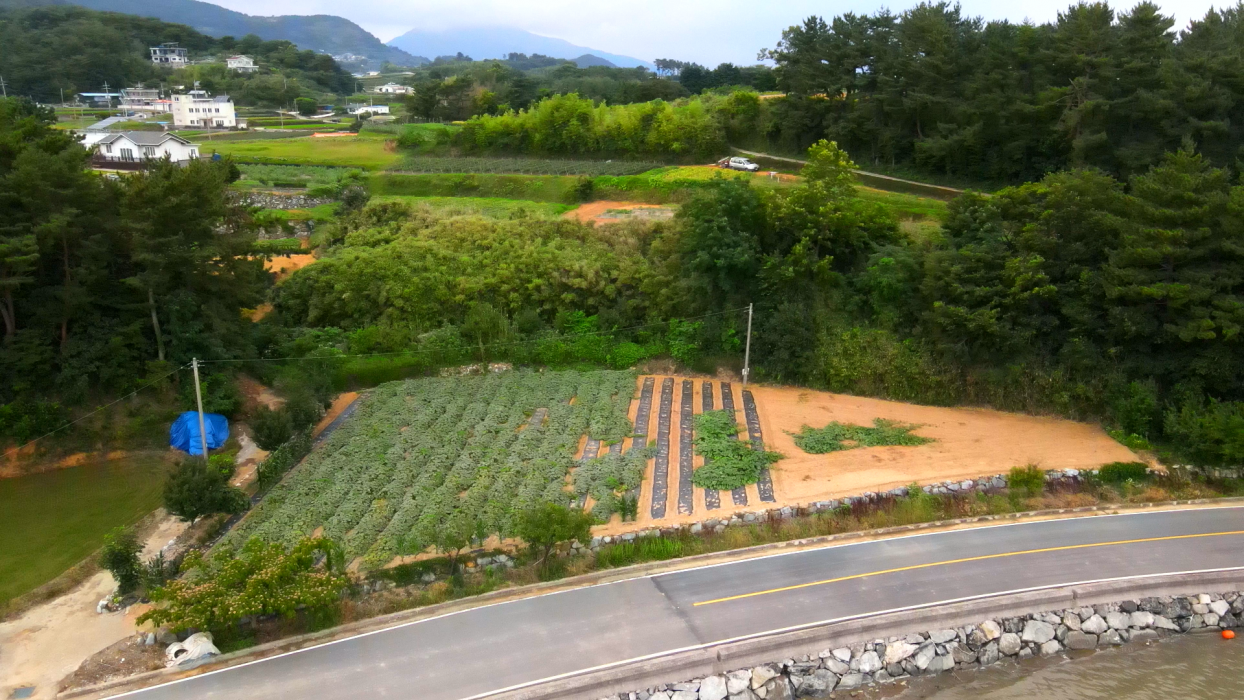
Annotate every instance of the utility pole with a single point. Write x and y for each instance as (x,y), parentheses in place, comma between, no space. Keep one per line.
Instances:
(198,397)
(747,350)
(3,88)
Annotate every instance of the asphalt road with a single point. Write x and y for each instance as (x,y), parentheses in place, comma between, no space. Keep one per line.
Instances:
(503,645)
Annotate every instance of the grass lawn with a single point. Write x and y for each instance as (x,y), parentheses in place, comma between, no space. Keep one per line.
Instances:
(495,207)
(359,151)
(53,520)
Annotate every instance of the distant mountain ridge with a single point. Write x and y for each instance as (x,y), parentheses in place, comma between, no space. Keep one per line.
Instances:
(326,33)
(495,42)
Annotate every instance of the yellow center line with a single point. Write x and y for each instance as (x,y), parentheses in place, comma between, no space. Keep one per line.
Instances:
(983,557)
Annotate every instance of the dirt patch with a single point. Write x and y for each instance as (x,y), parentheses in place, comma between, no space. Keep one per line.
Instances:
(121,660)
(608,212)
(339,404)
(968,443)
(21,463)
(255,395)
(285,265)
(50,641)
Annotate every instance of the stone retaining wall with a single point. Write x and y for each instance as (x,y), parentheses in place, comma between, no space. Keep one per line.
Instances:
(281,200)
(973,646)
(978,485)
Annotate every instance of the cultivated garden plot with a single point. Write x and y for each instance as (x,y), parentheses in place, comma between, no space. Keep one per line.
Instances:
(850,445)
(424,460)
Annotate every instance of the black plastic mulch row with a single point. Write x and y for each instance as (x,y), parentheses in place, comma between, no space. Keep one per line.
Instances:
(712,499)
(686,421)
(739,495)
(764,485)
(660,472)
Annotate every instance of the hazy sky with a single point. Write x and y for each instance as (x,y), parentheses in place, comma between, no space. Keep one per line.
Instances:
(705,31)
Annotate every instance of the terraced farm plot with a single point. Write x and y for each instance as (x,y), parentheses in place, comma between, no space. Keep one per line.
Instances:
(423,456)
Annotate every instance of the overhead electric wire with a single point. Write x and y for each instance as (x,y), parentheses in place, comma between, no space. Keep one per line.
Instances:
(408,353)
(107,405)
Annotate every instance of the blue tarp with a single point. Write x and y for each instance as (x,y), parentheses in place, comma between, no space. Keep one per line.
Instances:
(184,435)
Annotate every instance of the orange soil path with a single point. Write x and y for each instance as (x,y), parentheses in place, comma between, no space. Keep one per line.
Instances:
(969,443)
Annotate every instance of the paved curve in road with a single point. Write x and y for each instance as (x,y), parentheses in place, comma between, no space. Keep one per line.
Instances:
(486,649)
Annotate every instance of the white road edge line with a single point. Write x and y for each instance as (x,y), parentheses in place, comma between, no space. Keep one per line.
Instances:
(836,620)
(682,571)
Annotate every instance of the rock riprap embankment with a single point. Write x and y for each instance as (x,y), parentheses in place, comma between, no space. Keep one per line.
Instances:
(973,646)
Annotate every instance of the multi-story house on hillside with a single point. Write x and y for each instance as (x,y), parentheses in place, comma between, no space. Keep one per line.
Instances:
(169,54)
(241,64)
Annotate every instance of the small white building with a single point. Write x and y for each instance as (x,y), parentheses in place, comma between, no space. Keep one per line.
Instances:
(394,89)
(373,109)
(137,146)
(169,54)
(198,109)
(241,64)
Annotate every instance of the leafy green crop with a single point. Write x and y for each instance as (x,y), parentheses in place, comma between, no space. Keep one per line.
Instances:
(843,436)
(424,455)
(729,462)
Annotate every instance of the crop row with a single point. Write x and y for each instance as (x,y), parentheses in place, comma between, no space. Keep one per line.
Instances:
(523,166)
(421,454)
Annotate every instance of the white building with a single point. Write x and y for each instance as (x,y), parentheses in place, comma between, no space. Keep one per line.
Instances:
(137,146)
(394,89)
(374,109)
(144,100)
(169,55)
(241,64)
(197,108)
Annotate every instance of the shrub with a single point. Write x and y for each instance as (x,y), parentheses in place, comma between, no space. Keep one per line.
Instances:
(835,436)
(1119,472)
(120,558)
(283,458)
(272,428)
(1208,434)
(546,526)
(1028,480)
(260,579)
(193,489)
(23,420)
(158,571)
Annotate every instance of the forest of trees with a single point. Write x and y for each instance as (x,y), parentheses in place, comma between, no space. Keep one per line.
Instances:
(933,90)
(48,50)
(104,282)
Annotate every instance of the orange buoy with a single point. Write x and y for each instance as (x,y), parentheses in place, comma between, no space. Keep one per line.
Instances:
(1228,634)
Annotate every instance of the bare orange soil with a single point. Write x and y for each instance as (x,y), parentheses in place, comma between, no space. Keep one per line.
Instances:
(595,212)
(969,443)
(286,265)
(339,404)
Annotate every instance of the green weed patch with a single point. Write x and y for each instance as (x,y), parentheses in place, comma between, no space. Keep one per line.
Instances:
(729,462)
(836,436)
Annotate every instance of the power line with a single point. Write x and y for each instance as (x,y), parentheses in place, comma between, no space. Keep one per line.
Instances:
(407,353)
(107,405)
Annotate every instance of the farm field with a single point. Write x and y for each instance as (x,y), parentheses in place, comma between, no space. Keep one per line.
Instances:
(425,458)
(363,151)
(495,207)
(522,166)
(40,537)
(605,211)
(966,443)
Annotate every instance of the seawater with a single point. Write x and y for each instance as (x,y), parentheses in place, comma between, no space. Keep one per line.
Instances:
(1199,666)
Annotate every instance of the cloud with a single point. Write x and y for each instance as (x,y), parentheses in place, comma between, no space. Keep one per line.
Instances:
(705,31)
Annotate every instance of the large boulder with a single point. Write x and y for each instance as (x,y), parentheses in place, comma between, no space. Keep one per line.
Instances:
(1094,625)
(713,688)
(738,681)
(1009,644)
(820,683)
(762,675)
(897,651)
(870,662)
(1037,632)
(1080,640)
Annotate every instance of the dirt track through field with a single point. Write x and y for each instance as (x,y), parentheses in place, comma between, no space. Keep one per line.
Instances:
(968,443)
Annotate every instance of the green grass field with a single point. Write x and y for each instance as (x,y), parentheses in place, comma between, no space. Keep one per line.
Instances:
(53,520)
(494,207)
(361,151)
